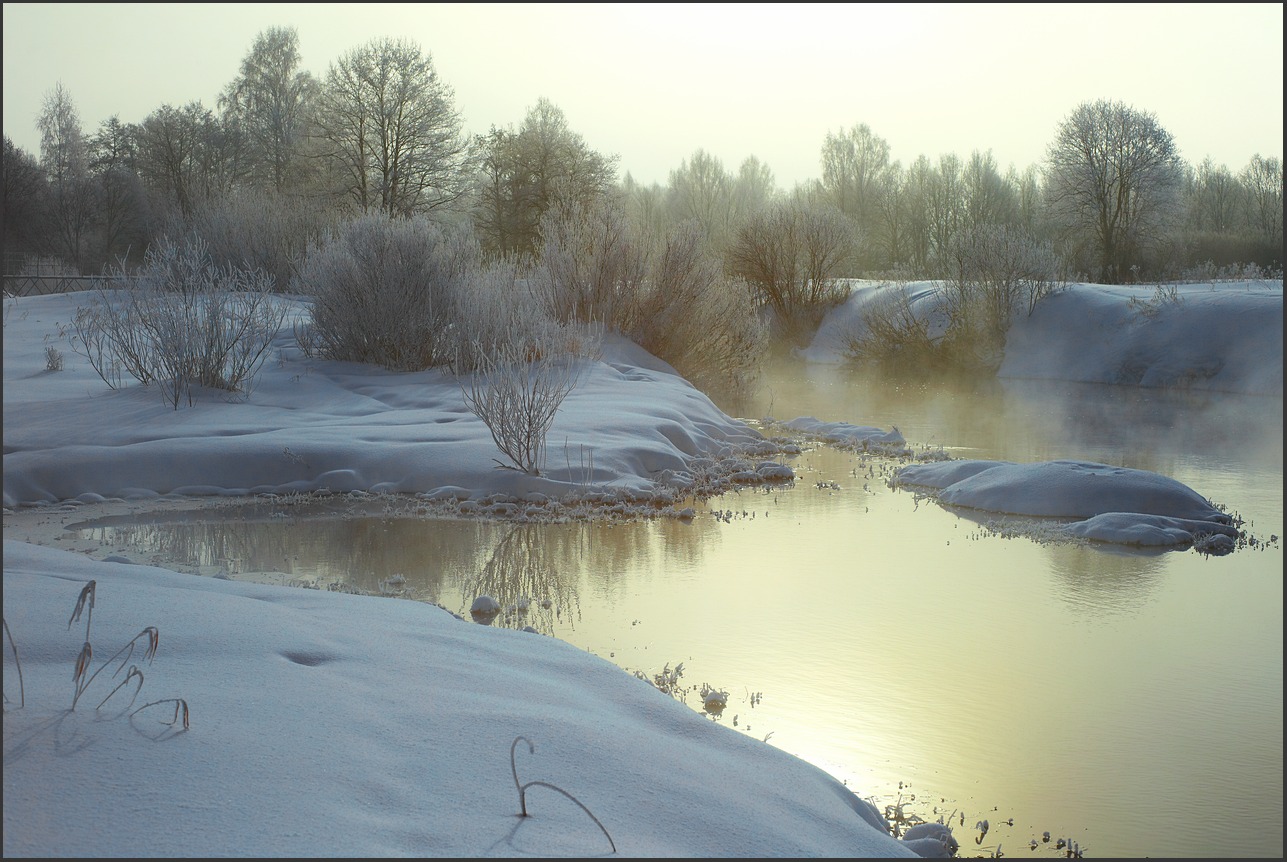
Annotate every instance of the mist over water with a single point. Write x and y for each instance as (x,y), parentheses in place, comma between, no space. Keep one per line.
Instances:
(1130,701)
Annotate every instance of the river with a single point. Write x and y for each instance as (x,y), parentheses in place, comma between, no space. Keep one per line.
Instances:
(1128,701)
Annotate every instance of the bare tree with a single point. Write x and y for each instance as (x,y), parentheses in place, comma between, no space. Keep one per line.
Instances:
(268,101)
(388,126)
(892,226)
(122,215)
(1113,179)
(852,162)
(988,196)
(1263,180)
(945,205)
(24,189)
(1029,198)
(64,155)
(186,156)
(753,188)
(854,165)
(524,174)
(790,252)
(701,189)
(917,192)
(1215,199)
(646,205)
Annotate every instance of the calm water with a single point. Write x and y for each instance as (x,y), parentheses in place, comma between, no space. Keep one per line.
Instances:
(1131,702)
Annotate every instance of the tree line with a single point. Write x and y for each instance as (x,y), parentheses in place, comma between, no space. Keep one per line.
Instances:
(285,156)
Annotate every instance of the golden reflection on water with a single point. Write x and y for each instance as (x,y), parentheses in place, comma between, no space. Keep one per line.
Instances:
(1130,701)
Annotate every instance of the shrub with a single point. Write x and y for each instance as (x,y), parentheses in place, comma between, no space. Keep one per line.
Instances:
(697,318)
(521,365)
(673,299)
(892,334)
(594,263)
(790,253)
(994,272)
(385,291)
(498,310)
(257,230)
(181,321)
(517,391)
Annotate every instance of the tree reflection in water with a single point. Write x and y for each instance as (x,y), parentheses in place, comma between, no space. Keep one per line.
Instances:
(533,578)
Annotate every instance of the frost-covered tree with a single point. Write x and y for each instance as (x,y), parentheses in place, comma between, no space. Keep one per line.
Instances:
(268,101)
(1263,180)
(701,190)
(388,127)
(944,205)
(523,174)
(852,162)
(64,156)
(1113,180)
(989,198)
(854,167)
(917,192)
(753,188)
(646,205)
(122,213)
(1215,199)
(891,228)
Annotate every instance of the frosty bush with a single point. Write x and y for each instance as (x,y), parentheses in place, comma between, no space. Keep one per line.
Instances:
(994,272)
(517,390)
(497,309)
(521,364)
(180,321)
(892,334)
(385,291)
(257,229)
(790,253)
(593,265)
(697,318)
(673,299)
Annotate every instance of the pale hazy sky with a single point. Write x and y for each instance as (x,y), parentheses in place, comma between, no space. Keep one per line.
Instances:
(653,83)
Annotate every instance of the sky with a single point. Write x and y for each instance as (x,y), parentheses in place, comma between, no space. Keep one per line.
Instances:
(654,83)
(400,744)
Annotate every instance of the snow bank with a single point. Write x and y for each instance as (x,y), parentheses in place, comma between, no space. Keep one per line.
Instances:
(1222,336)
(327,724)
(847,436)
(631,428)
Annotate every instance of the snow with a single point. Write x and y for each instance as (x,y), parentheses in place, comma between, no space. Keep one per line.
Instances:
(1216,336)
(1110,504)
(327,724)
(847,435)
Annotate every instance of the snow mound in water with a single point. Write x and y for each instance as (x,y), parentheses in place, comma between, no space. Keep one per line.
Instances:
(1113,504)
